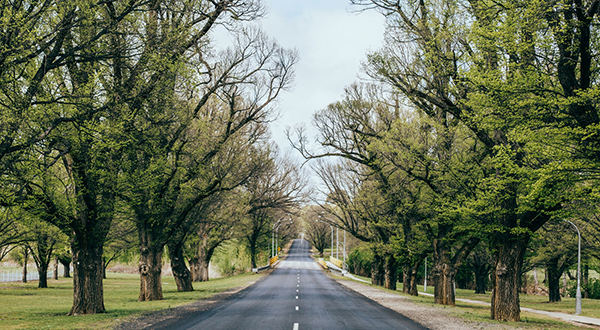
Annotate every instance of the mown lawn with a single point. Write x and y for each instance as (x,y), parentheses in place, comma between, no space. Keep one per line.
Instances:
(24,306)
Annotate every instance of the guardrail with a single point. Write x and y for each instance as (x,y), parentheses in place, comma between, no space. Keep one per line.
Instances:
(337,262)
(322,263)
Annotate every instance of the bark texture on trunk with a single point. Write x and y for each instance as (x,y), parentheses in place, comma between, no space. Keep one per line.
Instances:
(443,272)
(377,270)
(409,278)
(150,269)
(56,268)
(506,277)
(182,275)
(25,259)
(43,273)
(443,279)
(391,272)
(88,292)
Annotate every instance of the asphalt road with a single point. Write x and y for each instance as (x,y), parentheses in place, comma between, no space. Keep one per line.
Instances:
(296,296)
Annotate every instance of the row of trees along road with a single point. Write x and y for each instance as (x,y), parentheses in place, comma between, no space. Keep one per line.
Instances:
(480,126)
(118,110)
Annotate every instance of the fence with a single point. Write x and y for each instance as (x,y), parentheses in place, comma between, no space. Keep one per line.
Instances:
(17,276)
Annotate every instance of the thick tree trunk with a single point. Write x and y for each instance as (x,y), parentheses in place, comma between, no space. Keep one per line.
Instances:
(204,255)
(443,279)
(554,273)
(25,259)
(506,274)
(377,270)
(443,273)
(194,268)
(182,275)
(150,269)
(66,269)
(252,247)
(391,272)
(88,294)
(413,289)
(43,273)
(203,270)
(524,283)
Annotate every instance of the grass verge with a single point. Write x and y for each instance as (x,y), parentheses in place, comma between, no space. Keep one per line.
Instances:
(24,306)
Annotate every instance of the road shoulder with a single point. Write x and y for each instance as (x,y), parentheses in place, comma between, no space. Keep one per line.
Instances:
(432,317)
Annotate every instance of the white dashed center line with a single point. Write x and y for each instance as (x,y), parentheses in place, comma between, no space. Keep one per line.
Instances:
(297,308)
(296,297)
(295,326)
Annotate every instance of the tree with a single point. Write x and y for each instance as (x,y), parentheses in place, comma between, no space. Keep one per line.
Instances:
(195,149)
(317,233)
(489,85)
(272,192)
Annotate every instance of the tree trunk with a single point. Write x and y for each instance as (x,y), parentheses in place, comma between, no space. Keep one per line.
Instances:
(553,281)
(535,279)
(443,273)
(506,274)
(56,268)
(88,294)
(377,270)
(413,289)
(195,268)
(481,270)
(182,275)
(205,253)
(42,269)
(524,283)
(66,269)
(391,272)
(585,280)
(25,259)
(150,269)
(203,268)
(252,247)
(443,279)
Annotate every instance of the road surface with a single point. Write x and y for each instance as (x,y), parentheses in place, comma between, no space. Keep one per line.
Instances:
(296,296)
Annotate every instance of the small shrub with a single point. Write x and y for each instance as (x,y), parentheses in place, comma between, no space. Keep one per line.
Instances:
(359,261)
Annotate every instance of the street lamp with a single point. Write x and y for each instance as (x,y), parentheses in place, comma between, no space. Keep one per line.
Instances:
(578,293)
(273,236)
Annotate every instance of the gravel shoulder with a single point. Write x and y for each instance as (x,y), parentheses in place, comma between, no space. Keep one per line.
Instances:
(432,317)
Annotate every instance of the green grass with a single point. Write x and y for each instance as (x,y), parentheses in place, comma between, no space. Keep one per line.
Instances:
(24,306)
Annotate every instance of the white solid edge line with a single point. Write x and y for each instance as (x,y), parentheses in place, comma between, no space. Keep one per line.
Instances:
(295,326)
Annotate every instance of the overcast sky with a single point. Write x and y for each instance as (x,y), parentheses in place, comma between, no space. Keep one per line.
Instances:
(331,41)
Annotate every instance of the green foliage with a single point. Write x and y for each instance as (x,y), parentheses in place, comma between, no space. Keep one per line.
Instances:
(231,258)
(359,261)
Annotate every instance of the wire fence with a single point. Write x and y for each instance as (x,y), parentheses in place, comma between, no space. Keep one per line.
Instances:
(17,276)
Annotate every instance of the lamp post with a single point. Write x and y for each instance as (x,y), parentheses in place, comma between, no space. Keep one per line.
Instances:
(578,293)
(273,236)
(277,228)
